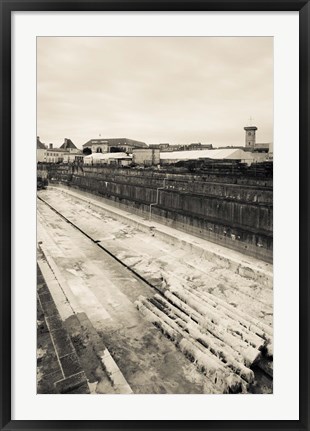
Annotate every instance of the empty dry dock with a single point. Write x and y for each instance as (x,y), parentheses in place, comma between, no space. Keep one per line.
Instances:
(159,311)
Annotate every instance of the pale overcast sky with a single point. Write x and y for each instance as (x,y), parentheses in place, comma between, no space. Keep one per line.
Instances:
(168,89)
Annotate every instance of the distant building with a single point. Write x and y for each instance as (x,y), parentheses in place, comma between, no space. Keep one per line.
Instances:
(250,141)
(199,146)
(178,147)
(96,146)
(120,159)
(67,153)
(112,145)
(69,146)
(161,147)
(250,136)
(171,147)
(164,146)
(54,155)
(262,148)
(227,154)
(146,156)
(41,151)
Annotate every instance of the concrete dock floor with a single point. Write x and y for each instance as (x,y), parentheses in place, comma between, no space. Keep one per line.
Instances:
(99,312)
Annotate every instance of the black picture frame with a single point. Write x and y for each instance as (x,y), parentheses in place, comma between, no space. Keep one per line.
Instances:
(7,7)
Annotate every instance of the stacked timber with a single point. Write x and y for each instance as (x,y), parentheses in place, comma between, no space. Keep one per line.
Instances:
(223,342)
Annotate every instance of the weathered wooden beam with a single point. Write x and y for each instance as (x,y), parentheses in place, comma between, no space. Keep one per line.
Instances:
(224,352)
(249,353)
(209,364)
(219,318)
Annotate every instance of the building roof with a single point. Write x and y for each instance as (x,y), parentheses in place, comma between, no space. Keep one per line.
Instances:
(218,154)
(68,144)
(145,149)
(115,142)
(107,156)
(57,150)
(40,145)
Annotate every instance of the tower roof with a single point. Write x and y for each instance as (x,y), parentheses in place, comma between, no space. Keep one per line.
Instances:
(250,128)
(68,144)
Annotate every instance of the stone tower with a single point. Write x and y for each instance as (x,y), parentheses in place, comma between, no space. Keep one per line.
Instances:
(250,136)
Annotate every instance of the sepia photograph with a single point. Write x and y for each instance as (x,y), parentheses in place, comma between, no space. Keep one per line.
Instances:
(154,215)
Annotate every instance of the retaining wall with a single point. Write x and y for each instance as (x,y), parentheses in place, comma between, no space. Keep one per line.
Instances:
(231,213)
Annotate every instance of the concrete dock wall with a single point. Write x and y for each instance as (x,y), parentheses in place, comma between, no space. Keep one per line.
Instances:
(229,210)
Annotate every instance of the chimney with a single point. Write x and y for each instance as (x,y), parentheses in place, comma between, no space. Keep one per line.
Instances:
(51,146)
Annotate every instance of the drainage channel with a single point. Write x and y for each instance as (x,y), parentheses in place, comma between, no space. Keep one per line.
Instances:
(97,242)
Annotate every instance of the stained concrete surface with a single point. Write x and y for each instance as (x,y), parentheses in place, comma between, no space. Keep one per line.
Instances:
(106,292)
(156,258)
